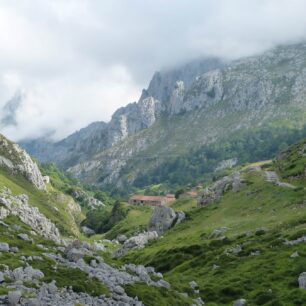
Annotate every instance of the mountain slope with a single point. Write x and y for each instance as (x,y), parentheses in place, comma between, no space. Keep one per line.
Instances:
(181,113)
(249,244)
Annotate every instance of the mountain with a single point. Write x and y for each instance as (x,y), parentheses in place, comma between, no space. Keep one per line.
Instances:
(45,260)
(210,109)
(242,241)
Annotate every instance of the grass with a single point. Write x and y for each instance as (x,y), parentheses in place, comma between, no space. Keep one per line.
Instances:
(54,205)
(152,296)
(187,252)
(136,220)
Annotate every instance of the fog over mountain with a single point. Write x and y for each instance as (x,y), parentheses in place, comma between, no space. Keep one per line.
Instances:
(70,63)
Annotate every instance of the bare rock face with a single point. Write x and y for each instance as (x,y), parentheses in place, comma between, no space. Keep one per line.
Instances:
(163,218)
(19,206)
(16,160)
(213,193)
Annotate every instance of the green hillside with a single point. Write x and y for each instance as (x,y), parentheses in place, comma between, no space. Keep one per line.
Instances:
(250,260)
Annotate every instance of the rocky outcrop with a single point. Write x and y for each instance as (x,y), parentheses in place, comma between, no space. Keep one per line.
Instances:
(163,218)
(213,193)
(136,242)
(17,161)
(85,199)
(19,206)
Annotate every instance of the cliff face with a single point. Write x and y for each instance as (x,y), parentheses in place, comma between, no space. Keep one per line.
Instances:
(196,104)
(126,121)
(17,161)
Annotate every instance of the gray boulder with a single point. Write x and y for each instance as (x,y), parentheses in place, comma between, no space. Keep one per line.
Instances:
(24,237)
(302,280)
(75,254)
(240,302)
(4,247)
(163,218)
(121,238)
(87,231)
(193,285)
(14,297)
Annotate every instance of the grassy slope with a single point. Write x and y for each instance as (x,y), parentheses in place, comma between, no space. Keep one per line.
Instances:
(188,253)
(52,204)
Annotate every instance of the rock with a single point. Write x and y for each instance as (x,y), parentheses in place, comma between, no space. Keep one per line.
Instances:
(215,267)
(163,283)
(24,237)
(99,246)
(228,163)
(121,238)
(4,247)
(17,161)
(218,232)
(199,301)
(14,249)
(295,254)
(87,231)
(138,241)
(14,297)
(19,206)
(3,213)
(240,302)
(302,280)
(30,273)
(75,254)
(193,285)
(255,253)
(1,277)
(163,218)
(213,193)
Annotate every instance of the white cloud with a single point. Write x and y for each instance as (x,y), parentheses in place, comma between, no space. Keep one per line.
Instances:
(77,61)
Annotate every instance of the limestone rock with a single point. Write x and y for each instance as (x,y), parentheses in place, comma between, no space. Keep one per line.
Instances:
(163,218)
(138,242)
(4,247)
(14,297)
(87,231)
(19,206)
(240,302)
(16,160)
(302,280)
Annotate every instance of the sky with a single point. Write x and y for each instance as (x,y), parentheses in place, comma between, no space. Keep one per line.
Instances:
(67,63)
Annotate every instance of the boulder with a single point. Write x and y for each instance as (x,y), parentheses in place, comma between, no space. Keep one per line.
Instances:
(302,280)
(193,285)
(213,193)
(163,218)
(75,254)
(24,237)
(87,231)
(240,302)
(4,247)
(138,242)
(14,297)
(121,238)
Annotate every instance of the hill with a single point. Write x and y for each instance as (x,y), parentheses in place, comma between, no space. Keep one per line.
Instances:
(190,120)
(249,243)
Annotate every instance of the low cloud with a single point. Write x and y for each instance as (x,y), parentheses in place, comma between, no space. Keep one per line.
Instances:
(77,61)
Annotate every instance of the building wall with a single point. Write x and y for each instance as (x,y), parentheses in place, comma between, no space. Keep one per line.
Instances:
(152,203)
